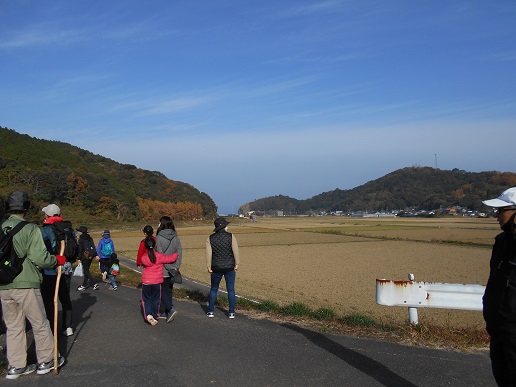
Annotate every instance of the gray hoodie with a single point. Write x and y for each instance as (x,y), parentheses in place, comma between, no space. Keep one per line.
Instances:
(167,242)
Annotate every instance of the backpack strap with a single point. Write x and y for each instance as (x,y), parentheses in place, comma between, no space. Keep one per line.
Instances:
(17,228)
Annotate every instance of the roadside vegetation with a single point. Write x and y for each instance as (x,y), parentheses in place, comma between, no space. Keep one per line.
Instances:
(326,320)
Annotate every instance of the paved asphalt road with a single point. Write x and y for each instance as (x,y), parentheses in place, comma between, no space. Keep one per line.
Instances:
(112,346)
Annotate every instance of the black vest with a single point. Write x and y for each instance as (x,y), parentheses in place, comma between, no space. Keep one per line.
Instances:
(222,258)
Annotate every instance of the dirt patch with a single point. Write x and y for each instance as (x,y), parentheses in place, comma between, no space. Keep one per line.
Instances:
(287,260)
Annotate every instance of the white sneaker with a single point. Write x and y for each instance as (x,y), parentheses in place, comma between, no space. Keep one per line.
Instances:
(151,320)
(81,288)
(68,331)
(96,287)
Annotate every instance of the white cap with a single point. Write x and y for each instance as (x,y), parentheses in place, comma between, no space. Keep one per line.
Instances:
(52,210)
(507,198)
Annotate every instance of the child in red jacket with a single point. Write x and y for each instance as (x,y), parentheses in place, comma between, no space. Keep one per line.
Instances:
(148,231)
(152,278)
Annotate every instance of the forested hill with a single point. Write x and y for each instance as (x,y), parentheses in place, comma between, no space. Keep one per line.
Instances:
(421,188)
(93,187)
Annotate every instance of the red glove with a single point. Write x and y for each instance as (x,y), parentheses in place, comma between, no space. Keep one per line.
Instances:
(61,260)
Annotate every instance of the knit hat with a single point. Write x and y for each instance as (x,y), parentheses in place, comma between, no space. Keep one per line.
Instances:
(17,201)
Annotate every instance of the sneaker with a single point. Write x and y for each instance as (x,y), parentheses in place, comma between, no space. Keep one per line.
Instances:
(210,314)
(231,315)
(45,368)
(104,275)
(81,288)
(68,331)
(151,320)
(15,373)
(96,287)
(113,287)
(171,315)
(162,316)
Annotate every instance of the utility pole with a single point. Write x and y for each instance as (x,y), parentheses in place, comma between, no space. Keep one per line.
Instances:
(435,160)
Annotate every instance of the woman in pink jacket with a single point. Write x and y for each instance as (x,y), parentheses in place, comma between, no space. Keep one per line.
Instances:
(152,278)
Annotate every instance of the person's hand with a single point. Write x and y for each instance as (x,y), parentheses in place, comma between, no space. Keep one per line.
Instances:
(236,267)
(209,270)
(61,260)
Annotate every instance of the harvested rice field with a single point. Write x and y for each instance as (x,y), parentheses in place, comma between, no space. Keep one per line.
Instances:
(334,262)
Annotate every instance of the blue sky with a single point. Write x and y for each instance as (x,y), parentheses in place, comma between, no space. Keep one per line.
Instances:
(248,99)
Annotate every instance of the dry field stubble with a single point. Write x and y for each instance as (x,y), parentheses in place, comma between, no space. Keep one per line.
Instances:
(334,262)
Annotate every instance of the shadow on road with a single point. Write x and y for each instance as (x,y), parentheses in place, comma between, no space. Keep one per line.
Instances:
(365,364)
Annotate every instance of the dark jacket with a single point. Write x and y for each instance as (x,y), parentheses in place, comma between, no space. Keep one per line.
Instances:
(500,296)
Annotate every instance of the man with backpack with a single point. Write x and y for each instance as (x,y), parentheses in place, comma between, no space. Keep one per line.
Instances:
(58,235)
(105,248)
(21,298)
(87,253)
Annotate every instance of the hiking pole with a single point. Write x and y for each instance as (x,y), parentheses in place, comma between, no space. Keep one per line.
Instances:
(56,296)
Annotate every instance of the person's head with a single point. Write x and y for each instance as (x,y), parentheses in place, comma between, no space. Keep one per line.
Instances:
(165,223)
(17,203)
(83,230)
(114,258)
(106,234)
(150,244)
(220,223)
(148,230)
(505,205)
(51,210)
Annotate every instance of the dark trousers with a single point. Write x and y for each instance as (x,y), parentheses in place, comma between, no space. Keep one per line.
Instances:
(48,287)
(167,288)
(503,362)
(86,263)
(151,297)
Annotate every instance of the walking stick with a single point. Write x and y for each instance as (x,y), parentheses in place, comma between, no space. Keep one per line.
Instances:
(56,297)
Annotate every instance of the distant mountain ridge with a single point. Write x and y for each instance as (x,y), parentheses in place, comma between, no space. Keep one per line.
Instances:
(92,186)
(423,188)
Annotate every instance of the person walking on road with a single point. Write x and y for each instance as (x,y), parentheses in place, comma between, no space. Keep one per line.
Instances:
(148,231)
(167,242)
(500,294)
(222,260)
(21,299)
(105,248)
(87,253)
(152,278)
(54,239)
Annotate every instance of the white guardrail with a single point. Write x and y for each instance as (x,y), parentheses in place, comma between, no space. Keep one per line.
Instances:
(415,295)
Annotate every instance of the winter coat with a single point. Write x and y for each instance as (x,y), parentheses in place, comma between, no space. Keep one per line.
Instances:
(153,272)
(29,242)
(102,242)
(167,242)
(500,295)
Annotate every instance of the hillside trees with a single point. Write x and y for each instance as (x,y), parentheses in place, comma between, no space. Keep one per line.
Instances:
(91,185)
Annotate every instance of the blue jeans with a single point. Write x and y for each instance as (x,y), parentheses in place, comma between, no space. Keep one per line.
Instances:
(112,280)
(230,286)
